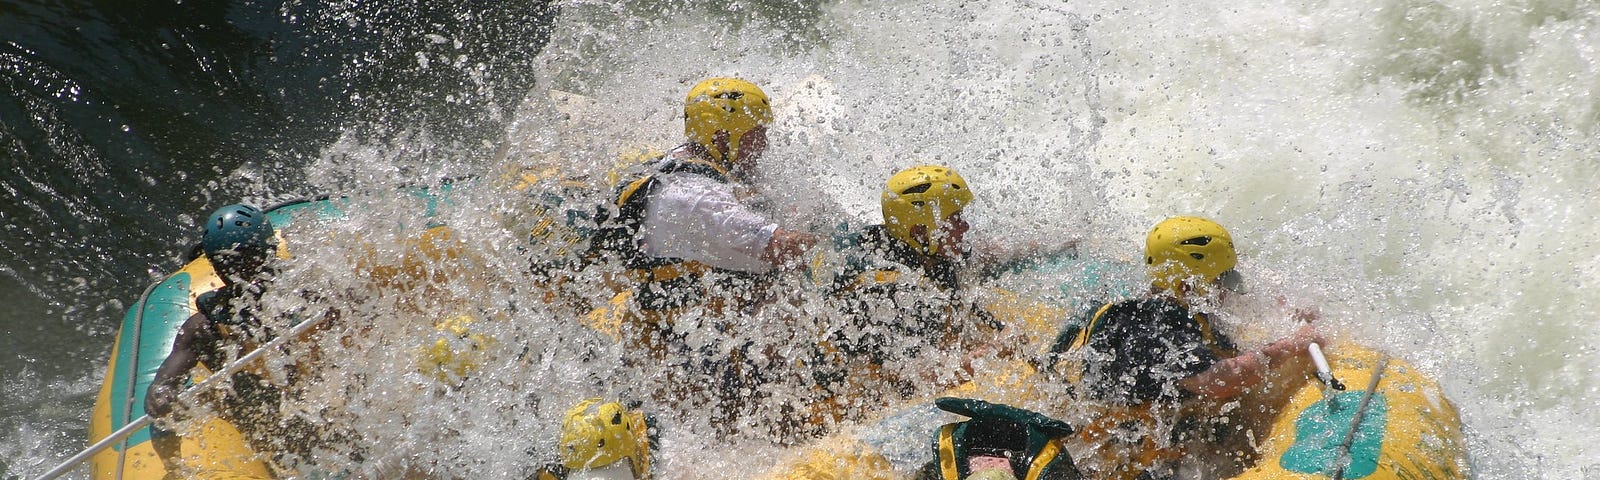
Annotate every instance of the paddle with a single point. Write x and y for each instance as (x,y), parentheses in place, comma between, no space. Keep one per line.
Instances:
(1324,373)
(210,381)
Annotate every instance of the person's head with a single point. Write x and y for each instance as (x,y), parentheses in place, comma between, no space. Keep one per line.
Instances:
(239,240)
(729,117)
(922,207)
(1189,256)
(604,439)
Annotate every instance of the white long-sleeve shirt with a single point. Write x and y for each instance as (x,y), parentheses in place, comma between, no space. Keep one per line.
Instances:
(692,217)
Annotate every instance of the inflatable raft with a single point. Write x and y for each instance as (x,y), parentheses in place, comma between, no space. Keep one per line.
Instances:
(1401,427)
(1390,423)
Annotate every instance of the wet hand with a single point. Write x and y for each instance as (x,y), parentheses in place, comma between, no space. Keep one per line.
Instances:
(1300,314)
(1307,334)
(1294,344)
(158,401)
(1305,315)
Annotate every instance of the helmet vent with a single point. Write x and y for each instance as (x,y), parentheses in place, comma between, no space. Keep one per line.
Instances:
(1198,256)
(918,188)
(729,95)
(1201,241)
(616,419)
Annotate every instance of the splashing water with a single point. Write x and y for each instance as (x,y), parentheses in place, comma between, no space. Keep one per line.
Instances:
(1416,169)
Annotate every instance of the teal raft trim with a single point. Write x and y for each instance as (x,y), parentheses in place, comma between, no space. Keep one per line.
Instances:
(141,352)
(325,209)
(1321,429)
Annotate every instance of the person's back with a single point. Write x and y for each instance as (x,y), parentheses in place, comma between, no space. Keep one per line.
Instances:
(999,442)
(1156,369)
(900,299)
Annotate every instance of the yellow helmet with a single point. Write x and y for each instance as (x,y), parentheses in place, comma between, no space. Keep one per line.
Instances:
(597,434)
(1183,248)
(923,195)
(724,104)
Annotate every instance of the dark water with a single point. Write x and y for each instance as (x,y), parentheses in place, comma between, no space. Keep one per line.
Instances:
(123,122)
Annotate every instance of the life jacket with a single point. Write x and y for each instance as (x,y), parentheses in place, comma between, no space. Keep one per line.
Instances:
(849,360)
(879,259)
(1032,442)
(234,318)
(852,365)
(663,283)
(1130,455)
(236,324)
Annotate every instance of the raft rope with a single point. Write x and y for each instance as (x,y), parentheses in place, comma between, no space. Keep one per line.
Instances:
(133,372)
(210,381)
(1355,423)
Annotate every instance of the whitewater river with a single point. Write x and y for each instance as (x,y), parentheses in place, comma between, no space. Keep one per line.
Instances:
(1422,171)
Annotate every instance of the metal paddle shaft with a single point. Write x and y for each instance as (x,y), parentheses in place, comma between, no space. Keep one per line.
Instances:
(1355,420)
(1324,373)
(210,381)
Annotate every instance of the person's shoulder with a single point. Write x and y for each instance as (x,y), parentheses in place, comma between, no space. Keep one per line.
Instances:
(867,238)
(1124,316)
(1130,307)
(869,248)
(205,303)
(197,327)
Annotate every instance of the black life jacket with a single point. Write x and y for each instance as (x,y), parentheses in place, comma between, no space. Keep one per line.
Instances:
(1032,442)
(664,283)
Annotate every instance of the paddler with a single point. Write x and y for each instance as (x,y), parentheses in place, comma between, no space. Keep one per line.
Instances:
(239,240)
(692,247)
(904,294)
(1160,370)
(603,440)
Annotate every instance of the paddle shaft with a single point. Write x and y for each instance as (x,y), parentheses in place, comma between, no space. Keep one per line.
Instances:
(1355,420)
(210,381)
(1324,373)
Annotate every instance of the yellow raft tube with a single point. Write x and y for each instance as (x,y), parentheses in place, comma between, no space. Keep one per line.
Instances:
(1392,423)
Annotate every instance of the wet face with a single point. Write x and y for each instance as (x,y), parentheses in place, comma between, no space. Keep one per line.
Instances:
(752,145)
(950,235)
(244,263)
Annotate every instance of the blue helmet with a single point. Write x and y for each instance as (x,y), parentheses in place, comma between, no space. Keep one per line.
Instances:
(237,227)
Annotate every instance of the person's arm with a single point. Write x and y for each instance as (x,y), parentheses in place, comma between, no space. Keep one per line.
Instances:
(787,248)
(1230,378)
(993,260)
(695,218)
(174,371)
